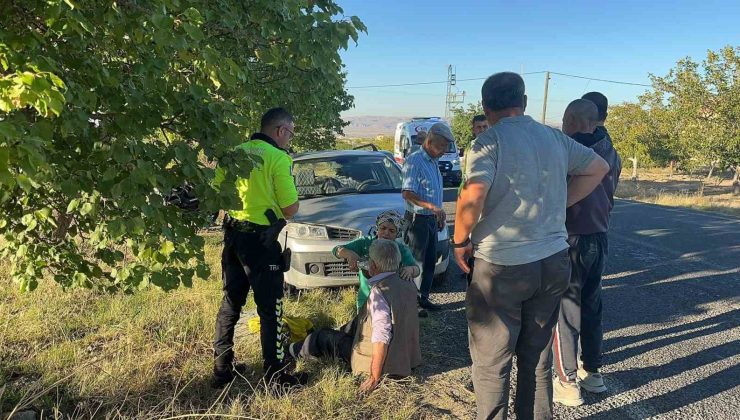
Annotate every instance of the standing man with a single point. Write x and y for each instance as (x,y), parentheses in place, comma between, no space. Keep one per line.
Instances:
(587,222)
(513,203)
(422,190)
(480,124)
(252,257)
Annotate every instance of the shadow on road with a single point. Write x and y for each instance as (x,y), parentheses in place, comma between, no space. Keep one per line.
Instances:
(697,391)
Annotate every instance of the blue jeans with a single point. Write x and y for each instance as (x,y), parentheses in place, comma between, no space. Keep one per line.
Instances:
(421,237)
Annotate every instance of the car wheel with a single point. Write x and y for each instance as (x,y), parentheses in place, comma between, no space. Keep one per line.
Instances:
(289,290)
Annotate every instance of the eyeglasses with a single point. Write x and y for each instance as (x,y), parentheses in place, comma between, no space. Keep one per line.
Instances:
(292,134)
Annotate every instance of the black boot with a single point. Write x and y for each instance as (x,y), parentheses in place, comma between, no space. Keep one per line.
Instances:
(279,376)
(222,377)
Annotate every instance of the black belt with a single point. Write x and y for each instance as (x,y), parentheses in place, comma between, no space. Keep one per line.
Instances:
(411,216)
(242,225)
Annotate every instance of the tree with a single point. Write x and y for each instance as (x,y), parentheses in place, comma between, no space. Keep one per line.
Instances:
(462,122)
(637,135)
(105,106)
(700,101)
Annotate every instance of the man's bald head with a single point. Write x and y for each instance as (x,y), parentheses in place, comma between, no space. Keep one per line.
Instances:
(581,116)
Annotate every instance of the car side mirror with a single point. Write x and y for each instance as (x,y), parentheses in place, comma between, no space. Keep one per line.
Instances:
(462,152)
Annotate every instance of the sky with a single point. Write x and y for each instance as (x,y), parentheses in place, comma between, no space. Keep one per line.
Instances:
(411,41)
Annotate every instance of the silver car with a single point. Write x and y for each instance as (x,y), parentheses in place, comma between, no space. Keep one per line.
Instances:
(341,193)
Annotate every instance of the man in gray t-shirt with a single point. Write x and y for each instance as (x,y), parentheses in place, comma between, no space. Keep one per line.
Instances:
(511,217)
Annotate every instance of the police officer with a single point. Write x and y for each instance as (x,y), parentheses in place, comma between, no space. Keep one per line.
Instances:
(252,260)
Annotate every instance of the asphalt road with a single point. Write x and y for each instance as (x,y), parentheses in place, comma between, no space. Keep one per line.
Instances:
(671,319)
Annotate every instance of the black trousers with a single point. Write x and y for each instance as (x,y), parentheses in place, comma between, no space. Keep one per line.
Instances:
(580,310)
(327,342)
(421,237)
(246,264)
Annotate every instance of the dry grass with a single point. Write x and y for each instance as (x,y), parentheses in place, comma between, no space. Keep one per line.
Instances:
(82,354)
(659,186)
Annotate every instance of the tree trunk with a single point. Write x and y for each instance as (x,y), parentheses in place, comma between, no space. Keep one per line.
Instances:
(634,168)
(711,169)
(64,221)
(736,181)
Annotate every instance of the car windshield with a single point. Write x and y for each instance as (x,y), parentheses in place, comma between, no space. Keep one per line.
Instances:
(346,175)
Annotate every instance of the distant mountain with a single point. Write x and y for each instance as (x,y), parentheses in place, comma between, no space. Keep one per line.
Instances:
(371,125)
(377,125)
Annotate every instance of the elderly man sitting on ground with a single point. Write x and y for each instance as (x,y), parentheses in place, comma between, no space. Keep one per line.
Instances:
(383,339)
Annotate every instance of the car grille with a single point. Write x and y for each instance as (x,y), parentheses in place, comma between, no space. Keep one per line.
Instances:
(338,269)
(342,234)
(445,166)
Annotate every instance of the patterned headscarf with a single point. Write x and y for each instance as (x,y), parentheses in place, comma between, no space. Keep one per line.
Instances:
(390,216)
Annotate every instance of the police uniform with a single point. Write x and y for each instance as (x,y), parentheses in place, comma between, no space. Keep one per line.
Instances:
(247,262)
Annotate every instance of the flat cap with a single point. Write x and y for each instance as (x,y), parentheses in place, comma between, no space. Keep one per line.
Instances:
(441,129)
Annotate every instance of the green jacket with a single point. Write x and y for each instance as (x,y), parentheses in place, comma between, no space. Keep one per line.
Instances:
(361,247)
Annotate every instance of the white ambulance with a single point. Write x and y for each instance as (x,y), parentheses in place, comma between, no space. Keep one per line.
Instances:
(405,143)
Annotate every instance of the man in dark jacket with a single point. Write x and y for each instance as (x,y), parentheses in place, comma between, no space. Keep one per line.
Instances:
(587,222)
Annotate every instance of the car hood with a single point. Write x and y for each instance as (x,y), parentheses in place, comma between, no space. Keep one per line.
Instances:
(354,211)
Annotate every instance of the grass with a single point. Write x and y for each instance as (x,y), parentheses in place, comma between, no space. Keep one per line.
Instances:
(659,186)
(83,354)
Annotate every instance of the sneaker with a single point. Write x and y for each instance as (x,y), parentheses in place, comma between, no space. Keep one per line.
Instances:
(422,312)
(566,393)
(425,303)
(591,381)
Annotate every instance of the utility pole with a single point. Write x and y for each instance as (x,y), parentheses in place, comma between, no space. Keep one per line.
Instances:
(453,96)
(544,102)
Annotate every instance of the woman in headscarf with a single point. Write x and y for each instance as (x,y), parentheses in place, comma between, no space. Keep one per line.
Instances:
(388,225)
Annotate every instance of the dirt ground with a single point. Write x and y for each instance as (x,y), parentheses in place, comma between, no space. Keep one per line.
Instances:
(659,186)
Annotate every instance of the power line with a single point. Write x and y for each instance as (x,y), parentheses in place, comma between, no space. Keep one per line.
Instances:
(483,78)
(429,83)
(396,85)
(601,80)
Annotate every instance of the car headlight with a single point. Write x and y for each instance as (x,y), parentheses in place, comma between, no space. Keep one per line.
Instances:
(304,231)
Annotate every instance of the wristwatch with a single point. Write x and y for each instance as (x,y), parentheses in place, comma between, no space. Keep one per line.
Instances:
(462,244)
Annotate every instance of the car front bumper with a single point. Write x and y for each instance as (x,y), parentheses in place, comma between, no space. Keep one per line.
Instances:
(313,265)
(452,177)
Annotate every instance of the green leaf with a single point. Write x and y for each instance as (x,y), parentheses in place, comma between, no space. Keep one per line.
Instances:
(8,130)
(26,183)
(193,31)
(43,214)
(167,248)
(86,209)
(81,280)
(116,229)
(72,206)
(27,219)
(193,15)
(56,104)
(31,225)
(203,271)
(21,251)
(136,226)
